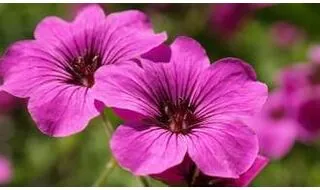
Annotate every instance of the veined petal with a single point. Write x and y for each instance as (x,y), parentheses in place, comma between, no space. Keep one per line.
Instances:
(128,43)
(222,149)
(145,150)
(52,28)
(26,67)
(189,52)
(91,15)
(62,110)
(124,88)
(229,90)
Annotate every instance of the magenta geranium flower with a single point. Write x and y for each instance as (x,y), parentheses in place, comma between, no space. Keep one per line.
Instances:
(275,126)
(301,85)
(186,174)
(184,107)
(57,69)
(5,171)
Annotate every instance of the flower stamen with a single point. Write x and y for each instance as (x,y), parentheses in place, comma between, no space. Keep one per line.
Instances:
(83,69)
(179,117)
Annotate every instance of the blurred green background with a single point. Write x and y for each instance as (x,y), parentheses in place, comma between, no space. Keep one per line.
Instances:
(78,160)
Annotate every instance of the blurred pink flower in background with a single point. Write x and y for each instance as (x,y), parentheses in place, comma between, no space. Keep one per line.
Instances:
(292,111)
(227,18)
(187,174)
(314,54)
(5,171)
(275,127)
(285,34)
(301,85)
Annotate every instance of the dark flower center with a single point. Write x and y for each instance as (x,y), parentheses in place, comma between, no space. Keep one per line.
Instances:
(83,68)
(178,117)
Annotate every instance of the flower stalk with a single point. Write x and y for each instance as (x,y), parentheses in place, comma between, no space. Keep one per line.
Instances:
(107,125)
(110,165)
(144,181)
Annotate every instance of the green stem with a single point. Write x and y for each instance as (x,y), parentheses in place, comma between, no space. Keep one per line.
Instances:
(144,181)
(110,165)
(107,125)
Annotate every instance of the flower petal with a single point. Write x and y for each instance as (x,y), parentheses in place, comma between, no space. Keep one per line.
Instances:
(130,18)
(228,91)
(127,43)
(294,77)
(122,87)
(181,174)
(275,126)
(177,175)
(25,67)
(161,53)
(128,115)
(67,36)
(62,110)
(189,52)
(91,15)
(275,138)
(308,116)
(145,150)
(245,179)
(52,28)
(222,149)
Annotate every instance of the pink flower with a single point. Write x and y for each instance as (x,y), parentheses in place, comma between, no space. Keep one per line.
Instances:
(186,174)
(184,107)
(301,85)
(285,34)
(275,126)
(314,54)
(5,171)
(56,71)
(227,18)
